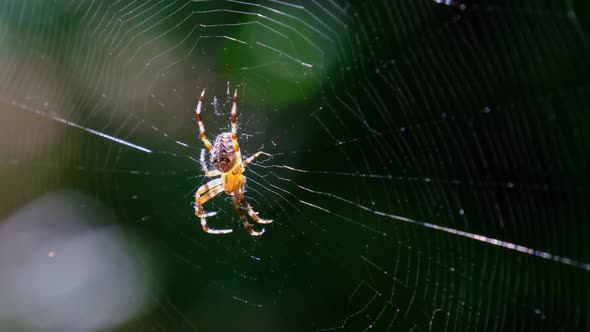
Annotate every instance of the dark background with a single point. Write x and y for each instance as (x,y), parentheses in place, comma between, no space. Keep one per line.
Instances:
(414,145)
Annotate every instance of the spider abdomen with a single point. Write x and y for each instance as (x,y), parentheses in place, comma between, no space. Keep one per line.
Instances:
(223,156)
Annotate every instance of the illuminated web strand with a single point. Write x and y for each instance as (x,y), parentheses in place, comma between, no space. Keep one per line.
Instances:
(286,26)
(147,29)
(276,11)
(329,13)
(204,26)
(481,238)
(349,315)
(359,115)
(242,24)
(316,19)
(451,3)
(305,202)
(105,14)
(506,184)
(78,126)
(247,302)
(271,191)
(285,54)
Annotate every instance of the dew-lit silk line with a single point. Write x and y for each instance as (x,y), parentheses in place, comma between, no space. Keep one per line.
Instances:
(78,126)
(481,238)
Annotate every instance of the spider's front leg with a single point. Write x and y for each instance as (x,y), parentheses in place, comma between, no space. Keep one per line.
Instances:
(254,156)
(200,123)
(205,193)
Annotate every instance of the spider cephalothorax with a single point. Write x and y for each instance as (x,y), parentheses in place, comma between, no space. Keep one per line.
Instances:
(223,156)
(227,160)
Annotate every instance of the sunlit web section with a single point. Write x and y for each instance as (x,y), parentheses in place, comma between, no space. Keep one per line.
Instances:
(433,113)
(276,34)
(473,236)
(80,127)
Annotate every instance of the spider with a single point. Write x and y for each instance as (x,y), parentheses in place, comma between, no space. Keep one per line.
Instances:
(227,160)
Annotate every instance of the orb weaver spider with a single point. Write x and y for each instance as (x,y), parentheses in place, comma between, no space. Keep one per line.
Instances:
(227,160)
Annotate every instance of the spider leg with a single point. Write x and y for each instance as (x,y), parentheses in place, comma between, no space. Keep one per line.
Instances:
(247,225)
(252,213)
(254,156)
(201,127)
(210,194)
(205,193)
(239,198)
(208,173)
(234,134)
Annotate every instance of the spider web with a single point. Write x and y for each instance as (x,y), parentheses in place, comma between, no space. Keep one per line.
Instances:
(428,168)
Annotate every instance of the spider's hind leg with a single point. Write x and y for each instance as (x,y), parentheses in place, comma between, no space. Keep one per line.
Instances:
(239,198)
(205,193)
(253,214)
(247,225)
(240,192)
